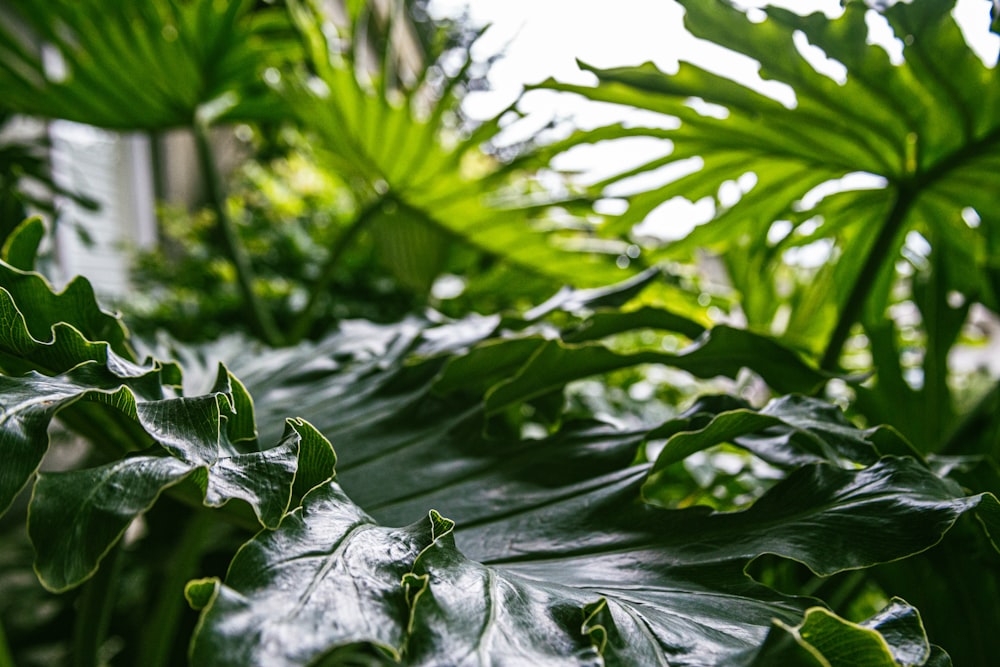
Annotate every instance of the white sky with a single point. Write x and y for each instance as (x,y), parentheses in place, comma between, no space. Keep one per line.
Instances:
(544,38)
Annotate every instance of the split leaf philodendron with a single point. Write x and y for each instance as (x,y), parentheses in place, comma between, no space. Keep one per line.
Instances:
(556,550)
(630,473)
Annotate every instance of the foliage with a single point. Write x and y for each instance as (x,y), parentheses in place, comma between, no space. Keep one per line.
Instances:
(424,190)
(435,489)
(579,512)
(289,213)
(133,65)
(923,131)
(880,170)
(427,199)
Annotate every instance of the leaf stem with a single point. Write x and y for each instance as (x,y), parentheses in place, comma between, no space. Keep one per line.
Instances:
(6,658)
(877,256)
(971,422)
(308,314)
(262,320)
(93,614)
(846,591)
(161,629)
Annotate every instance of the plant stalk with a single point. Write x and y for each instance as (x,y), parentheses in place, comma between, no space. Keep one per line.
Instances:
(846,591)
(6,657)
(159,633)
(308,314)
(94,609)
(985,408)
(261,317)
(877,256)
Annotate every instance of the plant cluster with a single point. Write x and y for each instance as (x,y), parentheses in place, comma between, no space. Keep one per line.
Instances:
(654,465)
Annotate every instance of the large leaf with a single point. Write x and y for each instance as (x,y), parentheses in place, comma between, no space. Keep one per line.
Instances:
(552,557)
(549,555)
(209,440)
(650,587)
(421,181)
(927,126)
(551,552)
(138,64)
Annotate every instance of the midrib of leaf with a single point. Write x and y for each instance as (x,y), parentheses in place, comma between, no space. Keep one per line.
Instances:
(647,632)
(482,644)
(879,253)
(907,193)
(329,561)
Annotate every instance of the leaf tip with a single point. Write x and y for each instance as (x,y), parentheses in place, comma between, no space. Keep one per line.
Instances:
(200,593)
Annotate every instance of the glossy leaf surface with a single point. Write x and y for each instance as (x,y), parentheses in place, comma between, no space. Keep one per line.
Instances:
(554,556)
(76,516)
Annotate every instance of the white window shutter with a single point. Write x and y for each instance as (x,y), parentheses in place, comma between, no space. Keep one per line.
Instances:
(116,171)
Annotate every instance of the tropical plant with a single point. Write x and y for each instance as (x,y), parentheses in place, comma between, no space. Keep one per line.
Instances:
(370,222)
(565,548)
(152,66)
(471,490)
(880,170)
(289,213)
(421,181)
(921,130)
(389,128)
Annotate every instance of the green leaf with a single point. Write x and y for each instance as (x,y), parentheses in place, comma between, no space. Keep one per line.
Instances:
(830,641)
(61,330)
(140,65)
(550,552)
(21,248)
(927,126)
(78,515)
(675,593)
(720,351)
(430,183)
(328,576)
(554,557)
(901,627)
(788,431)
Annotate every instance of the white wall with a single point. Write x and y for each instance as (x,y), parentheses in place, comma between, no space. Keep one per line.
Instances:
(115,170)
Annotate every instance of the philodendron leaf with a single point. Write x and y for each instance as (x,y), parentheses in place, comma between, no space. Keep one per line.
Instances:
(21,247)
(588,576)
(436,184)
(67,369)
(76,516)
(55,331)
(328,576)
(554,556)
(893,637)
(922,129)
(788,431)
(901,627)
(719,351)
